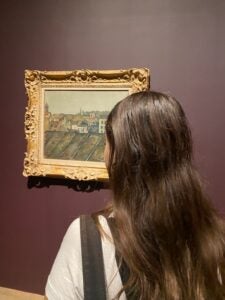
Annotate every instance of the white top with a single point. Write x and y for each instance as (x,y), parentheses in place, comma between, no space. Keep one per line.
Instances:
(65,281)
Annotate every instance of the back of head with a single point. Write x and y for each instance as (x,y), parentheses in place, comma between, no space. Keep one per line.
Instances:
(150,134)
(168,233)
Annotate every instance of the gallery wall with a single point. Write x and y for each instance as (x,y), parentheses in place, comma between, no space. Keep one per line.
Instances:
(182,42)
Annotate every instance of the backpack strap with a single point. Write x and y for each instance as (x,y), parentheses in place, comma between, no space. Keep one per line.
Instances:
(92,260)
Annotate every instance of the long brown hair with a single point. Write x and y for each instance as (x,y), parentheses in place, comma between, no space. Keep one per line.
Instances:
(169,235)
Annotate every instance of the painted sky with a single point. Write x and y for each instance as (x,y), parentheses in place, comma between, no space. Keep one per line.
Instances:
(72,101)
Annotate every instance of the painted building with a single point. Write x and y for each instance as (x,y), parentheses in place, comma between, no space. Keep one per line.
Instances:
(101,125)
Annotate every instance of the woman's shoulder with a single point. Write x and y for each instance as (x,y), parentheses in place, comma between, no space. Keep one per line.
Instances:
(72,235)
(66,276)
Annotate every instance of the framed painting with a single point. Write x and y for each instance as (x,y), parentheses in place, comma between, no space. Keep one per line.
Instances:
(65,119)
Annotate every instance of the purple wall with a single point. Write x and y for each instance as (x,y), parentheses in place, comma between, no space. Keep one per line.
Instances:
(183,44)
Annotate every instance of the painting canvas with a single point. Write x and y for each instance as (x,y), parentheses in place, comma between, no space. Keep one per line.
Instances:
(66,115)
(74,123)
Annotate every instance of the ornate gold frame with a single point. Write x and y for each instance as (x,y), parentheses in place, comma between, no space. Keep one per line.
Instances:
(35,81)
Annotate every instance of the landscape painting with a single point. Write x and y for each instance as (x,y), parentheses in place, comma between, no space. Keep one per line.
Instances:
(74,122)
(65,119)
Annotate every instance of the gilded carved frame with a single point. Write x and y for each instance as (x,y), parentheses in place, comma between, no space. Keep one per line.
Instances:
(132,80)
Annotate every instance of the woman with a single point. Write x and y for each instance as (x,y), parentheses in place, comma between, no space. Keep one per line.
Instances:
(167,232)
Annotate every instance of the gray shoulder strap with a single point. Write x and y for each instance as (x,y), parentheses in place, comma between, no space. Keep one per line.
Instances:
(92,260)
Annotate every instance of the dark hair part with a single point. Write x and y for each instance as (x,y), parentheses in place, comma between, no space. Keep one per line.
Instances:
(169,234)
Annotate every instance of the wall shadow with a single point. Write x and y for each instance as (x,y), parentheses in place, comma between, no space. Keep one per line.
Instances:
(77,185)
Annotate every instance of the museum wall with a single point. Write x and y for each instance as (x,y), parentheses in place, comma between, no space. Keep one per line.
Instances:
(182,42)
